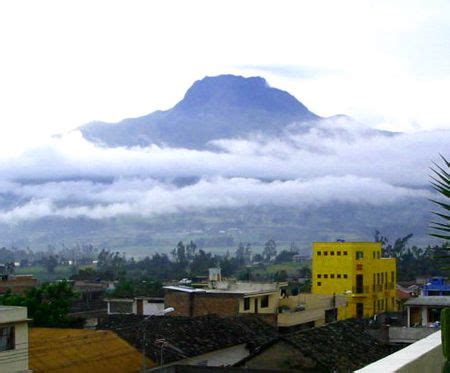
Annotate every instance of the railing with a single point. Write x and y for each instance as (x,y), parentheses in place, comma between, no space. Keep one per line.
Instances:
(360,289)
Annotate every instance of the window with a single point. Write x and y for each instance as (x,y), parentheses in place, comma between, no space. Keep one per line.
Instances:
(332,253)
(374,254)
(338,253)
(246,304)
(332,276)
(120,307)
(7,338)
(319,253)
(392,276)
(319,276)
(325,276)
(374,306)
(378,279)
(393,303)
(325,253)
(265,301)
(345,253)
(359,255)
(378,255)
(345,275)
(338,276)
(319,283)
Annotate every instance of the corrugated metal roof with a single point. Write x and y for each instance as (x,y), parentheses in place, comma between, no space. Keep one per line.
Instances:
(79,350)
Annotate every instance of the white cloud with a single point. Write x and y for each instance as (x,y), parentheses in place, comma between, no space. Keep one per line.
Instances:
(67,63)
(334,161)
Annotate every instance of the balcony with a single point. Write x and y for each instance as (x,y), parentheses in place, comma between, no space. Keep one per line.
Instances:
(360,291)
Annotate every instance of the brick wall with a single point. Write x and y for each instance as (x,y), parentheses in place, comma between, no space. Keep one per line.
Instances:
(223,305)
(17,284)
(180,301)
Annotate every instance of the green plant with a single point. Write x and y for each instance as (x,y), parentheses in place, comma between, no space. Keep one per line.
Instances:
(441,183)
(445,330)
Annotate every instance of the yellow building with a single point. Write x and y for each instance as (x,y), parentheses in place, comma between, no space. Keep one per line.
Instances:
(355,269)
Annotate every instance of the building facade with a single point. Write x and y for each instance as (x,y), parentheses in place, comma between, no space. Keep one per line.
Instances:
(271,302)
(17,284)
(436,286)
(13,339)
(357,270)
(138,306)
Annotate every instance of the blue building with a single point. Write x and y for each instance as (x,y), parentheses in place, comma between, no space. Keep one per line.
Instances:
(436,286)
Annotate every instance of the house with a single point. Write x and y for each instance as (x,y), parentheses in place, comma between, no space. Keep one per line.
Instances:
(208,340)
(17,284)
(436,286)
(13,339)
(226,298)
(357,270)
(425,310)
(137,306)
(272,302)
(80,350)
(341,346)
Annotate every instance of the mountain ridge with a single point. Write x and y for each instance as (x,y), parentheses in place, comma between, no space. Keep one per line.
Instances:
(223,106)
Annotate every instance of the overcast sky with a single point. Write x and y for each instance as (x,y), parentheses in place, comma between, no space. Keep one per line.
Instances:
(65,63)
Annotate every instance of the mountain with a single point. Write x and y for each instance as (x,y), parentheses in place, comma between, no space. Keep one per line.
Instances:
(225,106)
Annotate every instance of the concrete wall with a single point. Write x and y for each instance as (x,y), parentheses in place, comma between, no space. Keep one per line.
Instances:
(271,308)
(408,335)
(422,356)
(315,306)
(153,308)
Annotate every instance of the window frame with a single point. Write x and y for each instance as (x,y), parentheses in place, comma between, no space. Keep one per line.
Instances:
(263,300)
(8,339)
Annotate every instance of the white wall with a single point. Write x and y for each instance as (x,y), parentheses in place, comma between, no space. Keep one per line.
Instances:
(423,356)
(153,308)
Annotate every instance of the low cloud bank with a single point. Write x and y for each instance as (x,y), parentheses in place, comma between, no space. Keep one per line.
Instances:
(335,161)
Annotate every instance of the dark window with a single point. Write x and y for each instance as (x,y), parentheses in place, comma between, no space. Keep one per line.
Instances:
(345,253)
(319,253)
(359,284)
(359,310)
(120,307)
(338,253)
(332,253)
(325,253)
(359,255)
(345,275)
(246,304)
(265,301)
(7,338)
(319,276)
(325,276)
(332,276)
(392,276)
(338,276)
(319,283)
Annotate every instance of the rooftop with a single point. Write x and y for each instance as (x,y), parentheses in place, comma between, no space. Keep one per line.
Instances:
(341,346)
(189,336)
(227,287)
(432,300)
(80,350)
